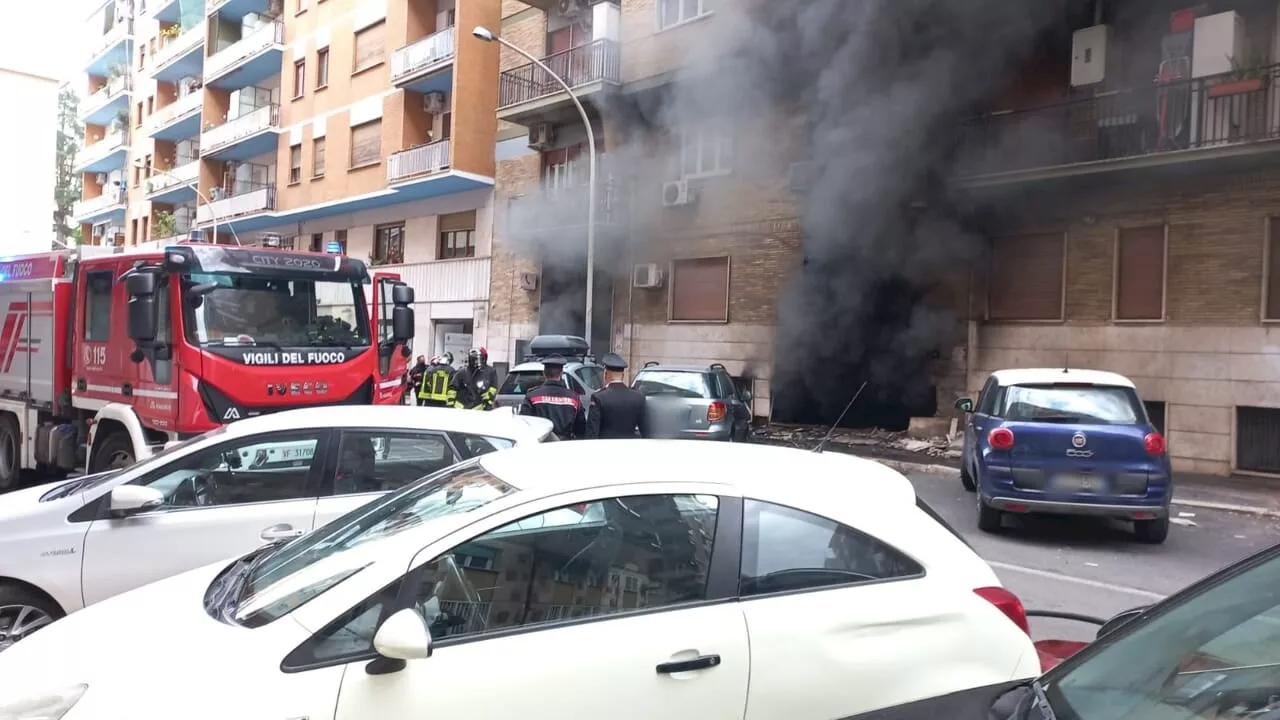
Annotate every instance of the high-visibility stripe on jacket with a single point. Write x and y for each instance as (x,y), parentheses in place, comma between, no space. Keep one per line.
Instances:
(435,385)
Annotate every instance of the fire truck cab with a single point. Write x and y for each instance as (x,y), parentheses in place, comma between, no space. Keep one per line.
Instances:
(106,355)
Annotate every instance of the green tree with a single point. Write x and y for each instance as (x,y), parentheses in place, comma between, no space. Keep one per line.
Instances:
(66,189)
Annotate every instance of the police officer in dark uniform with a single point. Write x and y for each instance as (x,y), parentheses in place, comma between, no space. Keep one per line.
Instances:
(617,411)
(554,401)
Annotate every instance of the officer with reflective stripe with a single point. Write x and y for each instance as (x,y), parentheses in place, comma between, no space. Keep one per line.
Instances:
(617,411)
(437,383)
(554,401)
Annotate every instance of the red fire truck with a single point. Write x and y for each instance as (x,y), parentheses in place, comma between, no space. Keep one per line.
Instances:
(106,355)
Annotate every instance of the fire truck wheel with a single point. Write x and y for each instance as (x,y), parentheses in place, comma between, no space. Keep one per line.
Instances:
(10,452)
(115,451)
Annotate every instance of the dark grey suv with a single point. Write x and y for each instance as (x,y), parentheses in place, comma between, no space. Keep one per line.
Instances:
(694,402)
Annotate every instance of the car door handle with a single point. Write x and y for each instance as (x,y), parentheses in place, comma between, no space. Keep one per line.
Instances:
(701,662)
(283,531)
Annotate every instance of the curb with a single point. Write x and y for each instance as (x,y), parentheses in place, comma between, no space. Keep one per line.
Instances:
(954,473)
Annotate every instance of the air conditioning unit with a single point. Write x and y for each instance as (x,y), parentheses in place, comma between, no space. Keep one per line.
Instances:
(572,8)
(678,192)
(433,102)
(646,277)
(528,281)
(541,136)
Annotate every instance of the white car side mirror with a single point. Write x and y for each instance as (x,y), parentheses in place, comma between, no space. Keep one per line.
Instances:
(134,499)
(404,636)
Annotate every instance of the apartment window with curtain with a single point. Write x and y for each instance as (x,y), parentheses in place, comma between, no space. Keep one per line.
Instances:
(322,68)
(1025,277)
(704,149)
(1140,273)
(295,164)
(563,168)
(699,290)
(366,144)
(457,235)
(370,47)
(674,12)
(388,244)
(317,157)
(299,78)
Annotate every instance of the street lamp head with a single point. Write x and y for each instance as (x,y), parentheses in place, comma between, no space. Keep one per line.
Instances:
(484,33)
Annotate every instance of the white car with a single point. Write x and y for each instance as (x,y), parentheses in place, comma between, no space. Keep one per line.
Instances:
(610,578)
(260,480)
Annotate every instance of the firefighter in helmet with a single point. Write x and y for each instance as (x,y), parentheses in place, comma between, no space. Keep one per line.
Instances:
(474,385)
(436,389)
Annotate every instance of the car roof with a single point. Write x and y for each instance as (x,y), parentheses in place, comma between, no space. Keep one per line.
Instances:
(500,423)
(598,463)
(678,368)
(535,366)
(1051,376)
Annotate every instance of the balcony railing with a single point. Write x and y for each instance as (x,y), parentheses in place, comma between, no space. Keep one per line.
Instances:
(594,62)
(255,42)
(109,143)
(211,6)
(173,48)
(105,94)
(192,101)
(433,49)
(185,174)
(233,131)
(460,280)
(1227,109)
(109,198)
(121,30)
(421,160)
(254,199)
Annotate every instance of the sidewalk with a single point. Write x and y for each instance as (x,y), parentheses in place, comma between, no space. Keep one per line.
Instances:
(1237,493)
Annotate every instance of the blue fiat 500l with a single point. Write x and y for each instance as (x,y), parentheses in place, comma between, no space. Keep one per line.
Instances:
(1065,442)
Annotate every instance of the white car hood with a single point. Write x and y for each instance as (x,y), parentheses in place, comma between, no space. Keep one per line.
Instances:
(19,505)
(148,652)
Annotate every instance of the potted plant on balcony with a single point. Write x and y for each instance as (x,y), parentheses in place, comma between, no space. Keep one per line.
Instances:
(1245,77)
(165,226)
(170,32)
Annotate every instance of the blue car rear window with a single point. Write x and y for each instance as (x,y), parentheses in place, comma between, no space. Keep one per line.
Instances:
(1083,404)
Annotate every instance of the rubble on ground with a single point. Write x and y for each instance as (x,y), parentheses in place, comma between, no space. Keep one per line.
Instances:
(808,436)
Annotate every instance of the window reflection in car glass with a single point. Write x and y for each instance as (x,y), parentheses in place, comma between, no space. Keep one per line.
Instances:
(378,461)
(671,382)
(1090,404)
(245,471)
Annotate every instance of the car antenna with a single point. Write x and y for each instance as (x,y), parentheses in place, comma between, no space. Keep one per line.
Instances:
(832,431)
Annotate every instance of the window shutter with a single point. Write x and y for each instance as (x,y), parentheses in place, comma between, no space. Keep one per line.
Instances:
(700,289)
(458,221)
(1025,280)
(1140,274)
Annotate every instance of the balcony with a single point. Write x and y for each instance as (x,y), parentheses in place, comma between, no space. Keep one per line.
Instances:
(105,155)
(554,213)
(171,11)
(248,61)
(109,102)
(250,199)
(418,162)
(178,120)
(109,205)
(1220,118)
(460,280)
(236,10)
(247,136)
(180,56)
(176,185)
(111,49)
(528,92)
(423,66)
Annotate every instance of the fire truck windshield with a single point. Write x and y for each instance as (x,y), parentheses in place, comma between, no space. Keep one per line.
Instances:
(232,309)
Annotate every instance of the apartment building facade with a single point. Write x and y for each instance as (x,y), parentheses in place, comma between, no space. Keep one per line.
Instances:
(1128,183)
(31,144)
(361,127)
(690,255)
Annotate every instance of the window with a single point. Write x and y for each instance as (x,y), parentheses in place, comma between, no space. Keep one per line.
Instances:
(590,560)
(674,12)
(322,68)
(1025,281)
(317,242)
(700,290)
(1139,273)
(261,468)
(457,235)
(476,445)
(366,144)
(97,306)
(704,149)
(317,157)
(299,78)
(1271,278)
(388,244)
(295,164)
(302,6)
(378,461)
(672,383)
(1090,405)
(340,237)
(785,549)
(370,47)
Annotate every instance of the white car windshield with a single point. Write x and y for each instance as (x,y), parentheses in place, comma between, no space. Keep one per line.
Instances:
(308,566)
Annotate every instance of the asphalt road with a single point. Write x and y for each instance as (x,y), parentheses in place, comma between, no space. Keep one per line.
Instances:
(1093,567)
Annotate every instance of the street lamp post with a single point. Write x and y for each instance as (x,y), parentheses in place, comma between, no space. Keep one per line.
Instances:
(487,35)
(213,217)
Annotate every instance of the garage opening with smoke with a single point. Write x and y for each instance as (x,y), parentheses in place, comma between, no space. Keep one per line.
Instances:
(882,88)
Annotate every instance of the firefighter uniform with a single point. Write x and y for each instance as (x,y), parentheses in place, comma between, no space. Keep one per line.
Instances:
(617,411)
(467,385)
(557,403)
(437,386)
(486,381)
